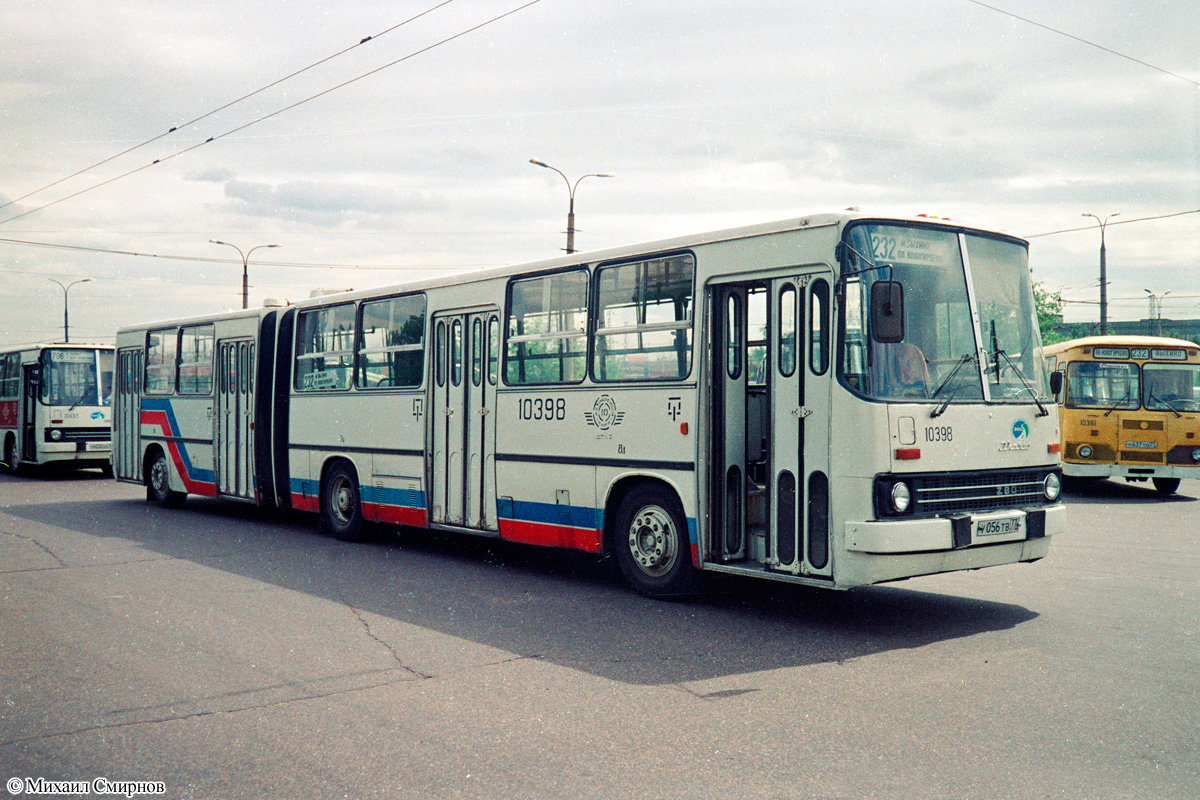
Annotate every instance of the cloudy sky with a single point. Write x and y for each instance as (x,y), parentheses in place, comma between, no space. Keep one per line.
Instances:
(1018,114)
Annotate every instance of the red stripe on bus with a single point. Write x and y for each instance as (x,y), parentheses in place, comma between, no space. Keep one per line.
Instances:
(586,539)
(200,488)
(395,515)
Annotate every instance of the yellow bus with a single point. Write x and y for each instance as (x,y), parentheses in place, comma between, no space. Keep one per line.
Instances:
(1129,407)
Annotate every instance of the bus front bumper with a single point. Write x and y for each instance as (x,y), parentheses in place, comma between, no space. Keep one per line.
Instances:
(878,551)
(1131,471)
(960,533)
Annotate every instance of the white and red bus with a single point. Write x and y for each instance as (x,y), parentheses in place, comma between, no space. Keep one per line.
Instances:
(54,405)
(834,400)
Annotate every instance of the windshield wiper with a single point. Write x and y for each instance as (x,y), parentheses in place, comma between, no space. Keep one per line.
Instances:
(941,409)
(79,399)
(1164,401)
(1042,412)
(1118,404)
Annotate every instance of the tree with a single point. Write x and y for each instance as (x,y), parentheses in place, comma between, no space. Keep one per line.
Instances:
(1048,305)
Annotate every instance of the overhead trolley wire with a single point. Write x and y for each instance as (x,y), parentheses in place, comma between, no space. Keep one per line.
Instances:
(276,113)
(221,108)
(1081,40)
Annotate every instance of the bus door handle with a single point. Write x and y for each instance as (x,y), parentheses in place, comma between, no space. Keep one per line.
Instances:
(801,412)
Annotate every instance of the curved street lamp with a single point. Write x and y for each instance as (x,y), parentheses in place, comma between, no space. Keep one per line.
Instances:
(66,319)
(1103,273)
(245,268)
(571,194)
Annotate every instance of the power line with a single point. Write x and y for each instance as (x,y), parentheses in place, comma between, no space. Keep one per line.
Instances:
(276,113)
(1113,223)
(219,109)
(1085,41)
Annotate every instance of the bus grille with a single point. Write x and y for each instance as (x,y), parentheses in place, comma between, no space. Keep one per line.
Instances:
(970,492)
(83,434)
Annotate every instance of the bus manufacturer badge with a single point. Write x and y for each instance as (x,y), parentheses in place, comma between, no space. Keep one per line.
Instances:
(604,414)
(1020,433)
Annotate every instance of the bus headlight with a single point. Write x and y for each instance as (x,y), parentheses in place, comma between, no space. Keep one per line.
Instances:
(1196,454)
(56,435)
(1085,451)
(901,498)
(1052,486)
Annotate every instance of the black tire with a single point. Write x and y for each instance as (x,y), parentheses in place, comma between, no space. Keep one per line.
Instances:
(652,544)
(1166,486)
(341,505)
(10,455)
(158,486)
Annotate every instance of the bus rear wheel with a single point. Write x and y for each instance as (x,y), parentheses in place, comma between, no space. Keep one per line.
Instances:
(158,483)
(652,544)
(1166,486)
(341,506)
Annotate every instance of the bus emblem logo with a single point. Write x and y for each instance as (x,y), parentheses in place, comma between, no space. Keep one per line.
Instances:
(604,414)
(1020,429)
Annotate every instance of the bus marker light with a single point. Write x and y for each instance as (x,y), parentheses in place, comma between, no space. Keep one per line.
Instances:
(908,453)
(683,428)
(1054,447)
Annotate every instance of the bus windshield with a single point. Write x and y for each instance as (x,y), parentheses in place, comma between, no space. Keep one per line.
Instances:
(76,377)
(1171,387)
(940,357)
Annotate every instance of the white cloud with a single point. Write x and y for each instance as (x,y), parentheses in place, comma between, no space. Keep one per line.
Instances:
(723,117)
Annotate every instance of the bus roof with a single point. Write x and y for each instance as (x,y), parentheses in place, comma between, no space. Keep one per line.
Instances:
(1119,341)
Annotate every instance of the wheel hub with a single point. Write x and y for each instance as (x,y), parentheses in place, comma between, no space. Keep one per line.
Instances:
(652,541)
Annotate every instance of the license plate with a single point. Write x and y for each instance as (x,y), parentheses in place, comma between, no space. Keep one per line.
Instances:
(1142,445)
(1001,526)
(91,446)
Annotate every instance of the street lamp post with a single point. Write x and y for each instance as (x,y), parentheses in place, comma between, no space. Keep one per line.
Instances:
(245,267)
(571,196)
(1103,273)
(66,318)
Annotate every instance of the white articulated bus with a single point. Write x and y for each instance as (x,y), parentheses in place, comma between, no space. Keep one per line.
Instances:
(54,405)
(836,400)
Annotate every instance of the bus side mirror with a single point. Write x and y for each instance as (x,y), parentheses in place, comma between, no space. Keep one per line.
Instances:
(35,377)
(887,311)
(1056,380)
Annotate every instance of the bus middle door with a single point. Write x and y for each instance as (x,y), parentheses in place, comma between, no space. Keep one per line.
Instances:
(233,419)
(462,471)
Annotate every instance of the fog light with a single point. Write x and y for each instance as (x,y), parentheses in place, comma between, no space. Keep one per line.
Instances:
(1085,451)
(900,497)
(1052,486)
(56,435)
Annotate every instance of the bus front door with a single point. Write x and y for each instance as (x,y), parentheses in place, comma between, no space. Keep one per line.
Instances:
(462,467)
(127,405)
(769,441)
(233,419)
(31,380)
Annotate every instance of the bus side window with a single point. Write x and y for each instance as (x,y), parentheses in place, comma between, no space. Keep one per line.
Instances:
(819,327)
(160,360)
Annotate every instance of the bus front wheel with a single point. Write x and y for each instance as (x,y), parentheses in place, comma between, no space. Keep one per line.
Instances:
(652,544)
(1166,486)
(341,507)
(159,483)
